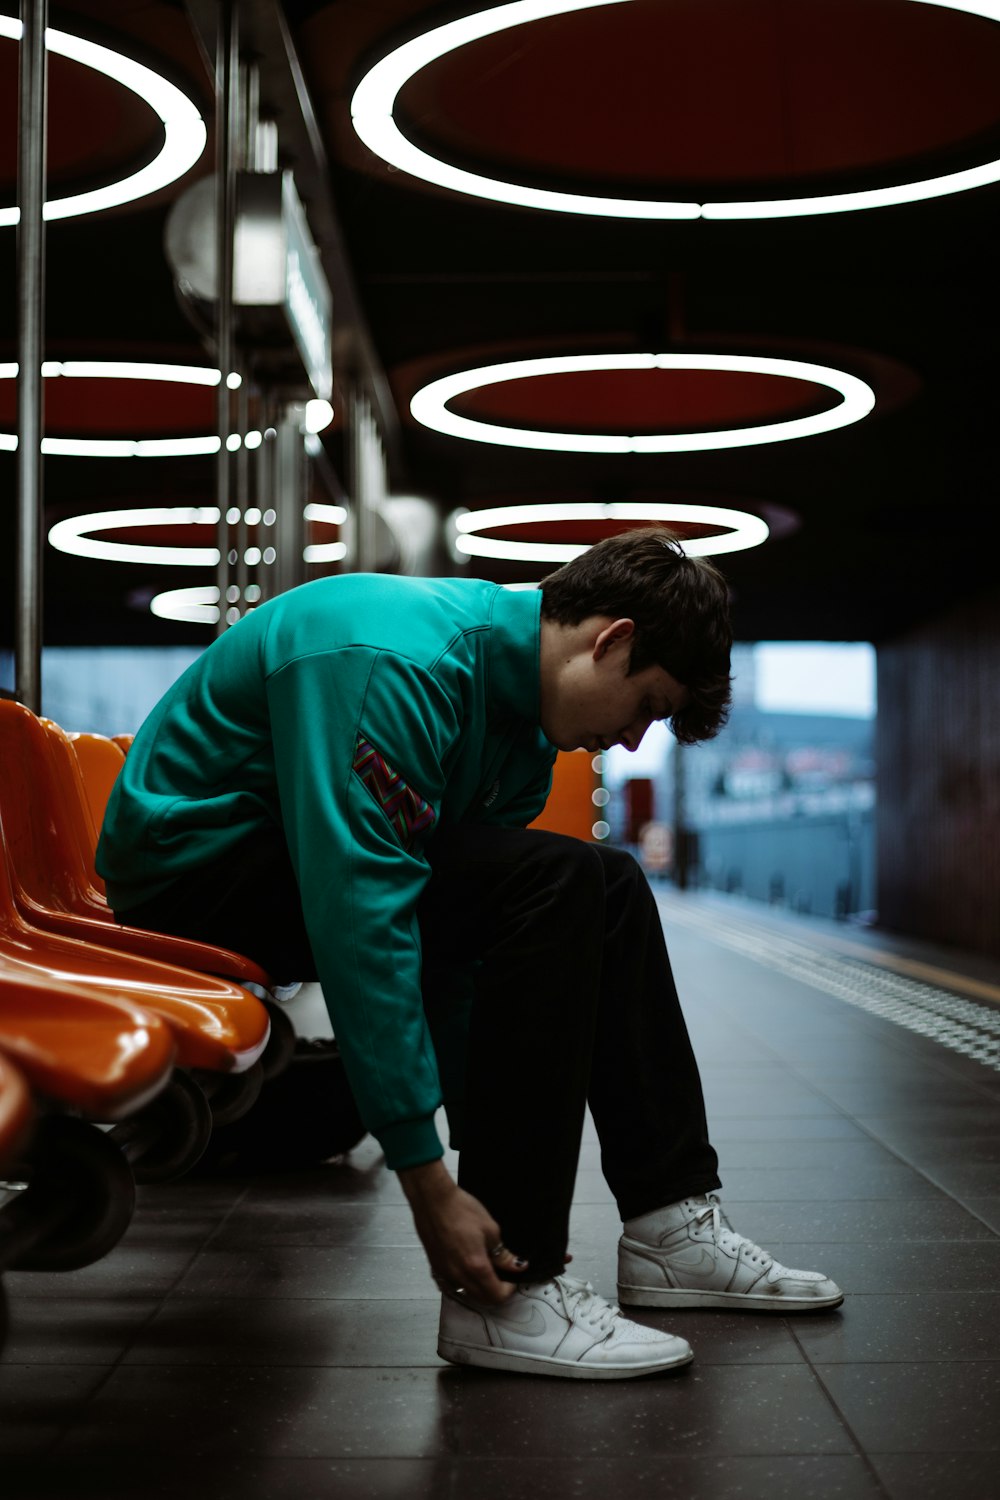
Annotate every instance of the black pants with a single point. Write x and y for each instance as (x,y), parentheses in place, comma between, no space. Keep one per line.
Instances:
(575,1003)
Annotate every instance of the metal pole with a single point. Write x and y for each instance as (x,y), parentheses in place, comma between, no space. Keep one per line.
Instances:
(226,91)
(31,336)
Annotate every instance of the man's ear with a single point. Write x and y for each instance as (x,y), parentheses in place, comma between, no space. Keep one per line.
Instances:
(613,637)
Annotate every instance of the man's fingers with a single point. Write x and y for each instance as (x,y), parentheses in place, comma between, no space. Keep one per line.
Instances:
(489,1284)
(508,1261)
(485,1284)
(503,1257)
(480,1279)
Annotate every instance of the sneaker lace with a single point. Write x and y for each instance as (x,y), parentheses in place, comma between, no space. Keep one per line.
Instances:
(729,1240)
(584,1305)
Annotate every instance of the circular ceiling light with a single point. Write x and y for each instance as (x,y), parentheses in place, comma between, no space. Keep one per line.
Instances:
(184,133)
(328,515)
(429,405)
(106,369)
(199,605)
(375,98)
(71,536)
(745,530)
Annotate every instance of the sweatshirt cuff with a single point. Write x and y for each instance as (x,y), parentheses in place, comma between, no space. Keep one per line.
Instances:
(410,1143)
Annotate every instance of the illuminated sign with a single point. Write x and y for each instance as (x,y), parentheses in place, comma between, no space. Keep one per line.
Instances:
(277,266)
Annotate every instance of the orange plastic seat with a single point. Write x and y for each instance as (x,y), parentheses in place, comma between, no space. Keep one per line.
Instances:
(103,1055)
(124,742)
(100,761)
(17,1110)
(218,1026)
(50,840)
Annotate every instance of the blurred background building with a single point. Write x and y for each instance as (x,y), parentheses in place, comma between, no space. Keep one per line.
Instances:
(781,806)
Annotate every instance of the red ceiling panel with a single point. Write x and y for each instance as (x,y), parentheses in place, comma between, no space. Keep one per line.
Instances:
(97,128)
(645,400)
(688,92)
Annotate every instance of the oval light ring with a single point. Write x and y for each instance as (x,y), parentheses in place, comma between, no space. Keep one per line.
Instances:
(375,97)
(198,605)
(184,133)
(430,404)
(746,530)
(106,369)
(71,536)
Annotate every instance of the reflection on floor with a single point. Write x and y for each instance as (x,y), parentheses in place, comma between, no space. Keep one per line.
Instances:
(275,1337)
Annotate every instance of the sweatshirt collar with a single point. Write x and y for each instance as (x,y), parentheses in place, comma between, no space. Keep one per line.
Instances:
(515,646)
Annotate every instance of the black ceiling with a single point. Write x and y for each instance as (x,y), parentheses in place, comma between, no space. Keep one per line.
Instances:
(895,513)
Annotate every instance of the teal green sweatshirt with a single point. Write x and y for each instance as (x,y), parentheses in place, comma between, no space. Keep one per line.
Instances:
(359,713)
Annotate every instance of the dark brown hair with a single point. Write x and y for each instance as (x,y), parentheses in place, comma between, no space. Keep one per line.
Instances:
(680,606)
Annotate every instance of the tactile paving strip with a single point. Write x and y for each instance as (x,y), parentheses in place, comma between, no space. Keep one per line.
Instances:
(960,1024)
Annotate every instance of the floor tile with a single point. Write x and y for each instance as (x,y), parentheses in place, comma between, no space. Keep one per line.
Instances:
(729,1338)
(938,1476)
(885,1096)
(918,1408)
(293,1331)
(705,1409)
(967,1266)
(449,1477)
(37,1401)
(309,1271)
(934,1123)
(271,1411)
(315,1220)
(188,1196)
(847,1222)
(58,1331)
(591,1188)
(131,1270)
(333,1334)
(914,1327)
(975,1180)
(930,1150)
(842,1157)
(786,1103)
(986,1209)
(767,1128)
(882,1183)
(281,1412)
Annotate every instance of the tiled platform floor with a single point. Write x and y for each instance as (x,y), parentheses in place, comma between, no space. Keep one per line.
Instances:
(276,1337)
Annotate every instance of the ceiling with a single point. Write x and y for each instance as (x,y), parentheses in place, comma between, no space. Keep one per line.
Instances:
(875,526)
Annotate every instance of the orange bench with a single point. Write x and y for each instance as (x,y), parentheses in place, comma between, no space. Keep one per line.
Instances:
(100,760)
(218,1026)
(99,1053)
(17,1111)
(101,1056)
(50,842)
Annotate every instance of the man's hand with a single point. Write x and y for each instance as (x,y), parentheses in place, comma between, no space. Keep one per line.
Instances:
(457,1233)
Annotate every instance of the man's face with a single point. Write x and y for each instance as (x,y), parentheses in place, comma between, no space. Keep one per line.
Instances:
(592,703)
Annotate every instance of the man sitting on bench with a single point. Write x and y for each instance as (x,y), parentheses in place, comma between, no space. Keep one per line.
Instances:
(339,787)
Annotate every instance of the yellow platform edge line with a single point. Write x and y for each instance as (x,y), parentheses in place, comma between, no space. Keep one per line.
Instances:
(946,979)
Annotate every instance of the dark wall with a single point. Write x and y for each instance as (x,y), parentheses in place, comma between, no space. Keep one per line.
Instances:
(938,751)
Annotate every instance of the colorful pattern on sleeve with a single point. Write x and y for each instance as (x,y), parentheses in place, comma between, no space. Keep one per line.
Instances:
(408,812)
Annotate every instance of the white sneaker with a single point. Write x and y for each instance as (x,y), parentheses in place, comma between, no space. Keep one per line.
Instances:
(558,1327)
(685,1256)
